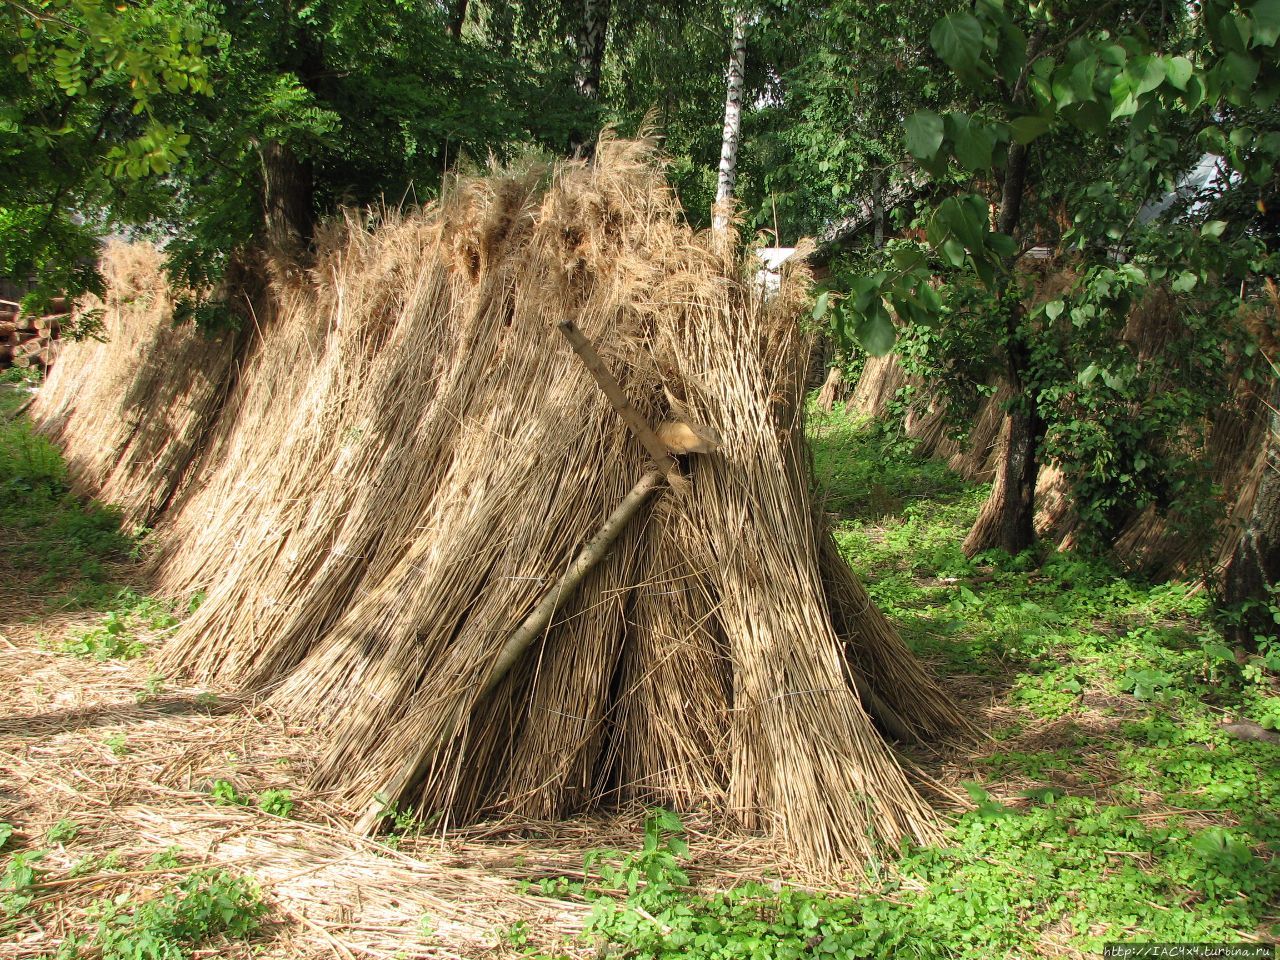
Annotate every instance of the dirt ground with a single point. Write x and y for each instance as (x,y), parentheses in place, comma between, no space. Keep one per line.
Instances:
(131,760)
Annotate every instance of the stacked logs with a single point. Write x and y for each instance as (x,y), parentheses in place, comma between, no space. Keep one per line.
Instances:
(28,340)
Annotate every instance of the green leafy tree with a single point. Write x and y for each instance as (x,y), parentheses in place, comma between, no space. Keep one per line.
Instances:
(314,105)
(1095,110)
(83,85)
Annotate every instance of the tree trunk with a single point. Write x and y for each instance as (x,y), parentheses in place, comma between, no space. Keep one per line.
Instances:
(1254,567)
(286,201)
(592,35)
(877,207)
(1007,519)
(457,17)
(833,388)
(591,44)
(732,120)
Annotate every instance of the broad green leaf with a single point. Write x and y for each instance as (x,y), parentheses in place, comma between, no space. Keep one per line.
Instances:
(1063,93)
(908,258)
(1011,55)
(1214,228)
(1234,32)
(957,38)
(1053,309)
(974,141)
(820,306)
(1177,70)
(1240,69)
(1082,77)
(875,331)
(1266,22)
(923,130)
(952,251)
(1003,244)
(1026,129)
(1146,74)
(965,218)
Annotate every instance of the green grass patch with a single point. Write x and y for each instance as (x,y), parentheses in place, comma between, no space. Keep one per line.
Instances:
(1068,869)
(66,547)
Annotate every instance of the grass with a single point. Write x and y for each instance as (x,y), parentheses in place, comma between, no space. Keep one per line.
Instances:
(1109,803)
(65,550)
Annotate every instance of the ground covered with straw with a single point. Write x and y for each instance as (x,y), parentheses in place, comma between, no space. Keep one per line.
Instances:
(1105,799)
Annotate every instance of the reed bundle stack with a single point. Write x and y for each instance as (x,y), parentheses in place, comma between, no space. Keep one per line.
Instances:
(423,526)
(131,409)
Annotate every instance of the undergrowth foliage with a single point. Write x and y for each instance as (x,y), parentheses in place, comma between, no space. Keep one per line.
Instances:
(1112,804)
(197,912)
(1007,879)
(63,545)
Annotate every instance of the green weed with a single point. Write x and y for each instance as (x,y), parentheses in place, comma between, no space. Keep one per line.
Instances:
(116,637)
(205,905)
(64,831)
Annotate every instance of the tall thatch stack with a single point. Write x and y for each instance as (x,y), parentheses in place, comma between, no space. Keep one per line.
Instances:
(411,457)
(132,412)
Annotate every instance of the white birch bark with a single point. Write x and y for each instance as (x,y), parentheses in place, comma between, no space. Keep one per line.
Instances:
(732,120)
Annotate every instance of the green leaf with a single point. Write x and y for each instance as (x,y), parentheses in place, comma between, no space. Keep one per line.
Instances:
(1214,228)
(974,141)
(1240,68)
(1184,281)
(1053,309)
(1026,129)
(924,130)
(1177,70)
(875,331)
(1147,73)
(952,251)
(1011,55)
(957,38)
(820,306)
(1266,22)
(1003,244)
(667,820)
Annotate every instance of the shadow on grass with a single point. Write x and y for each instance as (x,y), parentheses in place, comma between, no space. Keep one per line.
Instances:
(57,551)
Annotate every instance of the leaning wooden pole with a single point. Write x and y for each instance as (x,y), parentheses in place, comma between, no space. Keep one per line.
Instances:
(592,552)
(613,390)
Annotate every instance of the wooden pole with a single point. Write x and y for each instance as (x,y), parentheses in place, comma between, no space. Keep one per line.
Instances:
(532,627)
(609,384)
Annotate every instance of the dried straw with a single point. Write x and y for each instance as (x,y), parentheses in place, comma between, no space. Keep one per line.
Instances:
(412,455)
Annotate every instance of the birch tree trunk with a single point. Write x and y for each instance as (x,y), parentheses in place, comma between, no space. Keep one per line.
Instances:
(732,120)
(593,32)
(591,43)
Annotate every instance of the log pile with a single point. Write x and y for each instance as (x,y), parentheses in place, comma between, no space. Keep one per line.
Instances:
(27,340)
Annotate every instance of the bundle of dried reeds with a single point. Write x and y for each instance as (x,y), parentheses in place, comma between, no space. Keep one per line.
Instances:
(132,409)
(414,456)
